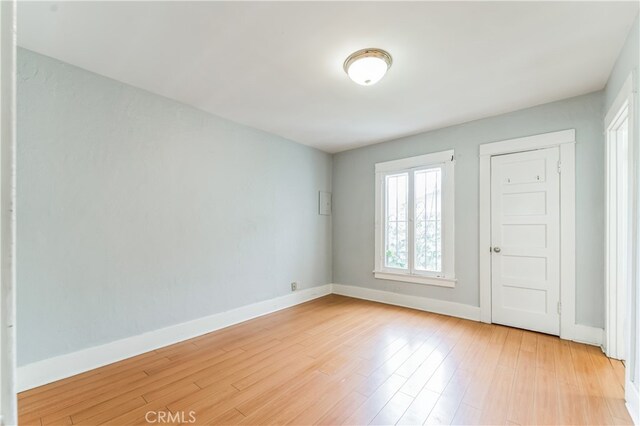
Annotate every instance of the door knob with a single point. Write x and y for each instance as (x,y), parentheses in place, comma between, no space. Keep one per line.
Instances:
(496,249)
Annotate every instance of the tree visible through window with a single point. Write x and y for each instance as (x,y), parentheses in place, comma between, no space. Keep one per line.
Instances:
(397,223)
(427,206)
(428,220)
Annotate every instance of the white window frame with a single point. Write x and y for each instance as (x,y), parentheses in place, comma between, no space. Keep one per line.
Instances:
(446,160)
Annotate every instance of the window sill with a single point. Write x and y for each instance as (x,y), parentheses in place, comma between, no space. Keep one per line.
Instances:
(416,279)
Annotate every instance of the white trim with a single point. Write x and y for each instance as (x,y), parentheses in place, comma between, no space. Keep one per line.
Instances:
(445,161)
(618,252)
(437,306)
(585,334)
(416,279)
(484,236)
(623,96)
(631,318)
(565,140)
(8,397)
(632,398)
(60,367)
(63,366)
(529,143)
(417,161)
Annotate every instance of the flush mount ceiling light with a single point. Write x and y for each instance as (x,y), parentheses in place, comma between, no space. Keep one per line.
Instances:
(367,66)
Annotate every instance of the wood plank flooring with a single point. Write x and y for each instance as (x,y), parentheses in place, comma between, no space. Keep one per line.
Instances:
(337,360)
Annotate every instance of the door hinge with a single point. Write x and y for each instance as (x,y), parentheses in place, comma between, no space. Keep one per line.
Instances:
(559,167)
(559,308)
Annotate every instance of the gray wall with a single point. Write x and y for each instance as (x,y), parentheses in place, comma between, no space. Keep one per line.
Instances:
(138,212)
(353,183)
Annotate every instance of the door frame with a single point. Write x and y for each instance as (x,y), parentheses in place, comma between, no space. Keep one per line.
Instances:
(614,331)
(628,94)
(565,141)
(8,394)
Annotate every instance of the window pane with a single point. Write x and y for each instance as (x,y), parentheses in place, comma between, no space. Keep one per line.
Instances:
(428,220)
(396,223)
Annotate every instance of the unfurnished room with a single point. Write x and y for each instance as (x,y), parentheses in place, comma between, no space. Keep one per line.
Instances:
(319,213)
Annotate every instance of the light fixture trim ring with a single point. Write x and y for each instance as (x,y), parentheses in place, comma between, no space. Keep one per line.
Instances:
(370,52)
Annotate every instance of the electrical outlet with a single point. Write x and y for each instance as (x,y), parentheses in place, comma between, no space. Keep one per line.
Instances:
(294,286)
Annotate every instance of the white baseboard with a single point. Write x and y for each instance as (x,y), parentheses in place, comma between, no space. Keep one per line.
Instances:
(416,302)
(632,396)
(49,370)
(589,335)
(580,333)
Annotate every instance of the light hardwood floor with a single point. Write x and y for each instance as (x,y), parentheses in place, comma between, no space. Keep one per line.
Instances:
(338,360)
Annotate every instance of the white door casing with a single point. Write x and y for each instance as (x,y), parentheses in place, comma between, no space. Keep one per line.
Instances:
(618,235)
(619,221)
(622,242)
(525,234)
(565,141)
(8,397)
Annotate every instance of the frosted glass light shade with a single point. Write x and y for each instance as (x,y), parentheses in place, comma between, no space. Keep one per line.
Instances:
(367,66)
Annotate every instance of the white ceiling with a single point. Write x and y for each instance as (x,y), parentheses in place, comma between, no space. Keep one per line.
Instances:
(277,66)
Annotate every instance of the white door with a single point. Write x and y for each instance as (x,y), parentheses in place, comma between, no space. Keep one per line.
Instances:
(525,237)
